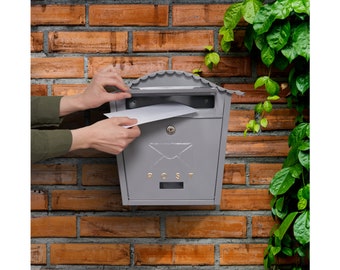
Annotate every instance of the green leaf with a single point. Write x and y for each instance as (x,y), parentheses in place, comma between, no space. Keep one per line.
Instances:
(272,87)
(251,124)
(228,35)
(298,134)
(287,251)
(275,250)
(211,59)
(305,145)
(300,252)
(209,48)
(301,228)
(278,36)
(264,19)
(301,6)
(289,52)
(304,159)
(214,58)
(306,191)
(302,83)
(286,223)
(302,204)
(267,55)
(275,97)
(259,108)
(260,81)
(300,40)
(264,122)
(249,10)
(256,128)
(280,203)
(267,106)
(296,170)
(282,9)
(233,15)
(260,41)
(225,46)
(281,182)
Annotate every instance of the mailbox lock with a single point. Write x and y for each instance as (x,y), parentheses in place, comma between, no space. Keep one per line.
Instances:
(170,130)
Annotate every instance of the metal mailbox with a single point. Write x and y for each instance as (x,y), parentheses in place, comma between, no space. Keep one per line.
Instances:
(180,160)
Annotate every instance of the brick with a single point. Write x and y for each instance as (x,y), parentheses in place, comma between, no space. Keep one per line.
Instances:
(262,225)
(100,174)
(228,66)
(53,174)
(245,199)
(263,173)
(86,200)
(120,227)
(129,67)
(242,254)
(252,95)
(238,119)
(198,15)
(38,90)
(53,226)
(128,15)
(206,227)
(153,254)
(90,254)
(87,42)
(278,119)
(37,41)
(234,174)
(57,67)
(255,146)
(39,200)
(38,254)
(68,89)
(57,15)
(194,40)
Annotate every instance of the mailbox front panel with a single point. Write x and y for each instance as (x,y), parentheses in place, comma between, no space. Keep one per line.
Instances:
(169,162)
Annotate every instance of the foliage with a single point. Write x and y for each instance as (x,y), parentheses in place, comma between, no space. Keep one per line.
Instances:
(279,32)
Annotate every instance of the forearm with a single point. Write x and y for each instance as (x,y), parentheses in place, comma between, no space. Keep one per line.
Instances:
(49,143)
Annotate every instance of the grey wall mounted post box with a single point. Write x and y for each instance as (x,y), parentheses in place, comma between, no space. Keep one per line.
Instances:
(179,160)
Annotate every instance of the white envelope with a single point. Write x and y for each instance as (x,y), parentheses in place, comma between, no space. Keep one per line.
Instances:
(154,112)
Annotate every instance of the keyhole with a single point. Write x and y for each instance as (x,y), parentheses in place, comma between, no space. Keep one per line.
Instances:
(170,130)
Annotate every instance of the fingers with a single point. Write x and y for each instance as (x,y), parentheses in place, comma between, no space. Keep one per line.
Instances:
(112,77)
(125,121)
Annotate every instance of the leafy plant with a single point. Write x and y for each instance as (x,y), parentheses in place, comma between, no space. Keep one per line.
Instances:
(279,32)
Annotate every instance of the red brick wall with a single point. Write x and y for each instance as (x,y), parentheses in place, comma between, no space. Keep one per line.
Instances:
(76,213)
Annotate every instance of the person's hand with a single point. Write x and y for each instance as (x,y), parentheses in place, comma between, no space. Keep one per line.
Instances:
(95,94)
(107,135)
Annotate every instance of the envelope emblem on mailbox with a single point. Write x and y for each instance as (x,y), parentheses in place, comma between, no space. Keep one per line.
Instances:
(173,155)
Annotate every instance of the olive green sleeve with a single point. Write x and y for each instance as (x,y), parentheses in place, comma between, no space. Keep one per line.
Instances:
(49,143)
(45,111)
